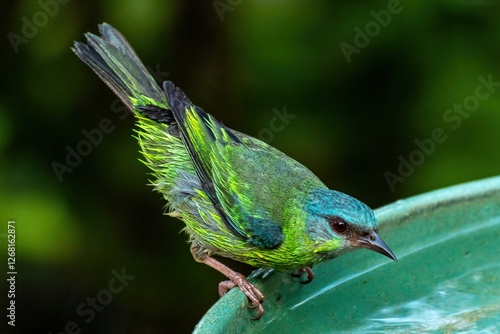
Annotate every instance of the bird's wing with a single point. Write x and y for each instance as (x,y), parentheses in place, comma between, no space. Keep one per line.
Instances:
(233,174)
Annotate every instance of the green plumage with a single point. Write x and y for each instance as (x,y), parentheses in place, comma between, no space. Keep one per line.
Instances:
(239,197)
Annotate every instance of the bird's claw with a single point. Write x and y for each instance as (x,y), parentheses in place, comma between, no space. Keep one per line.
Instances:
(305,270)
(253,294)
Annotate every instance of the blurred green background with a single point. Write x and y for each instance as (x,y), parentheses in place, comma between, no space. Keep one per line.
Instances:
(357,115)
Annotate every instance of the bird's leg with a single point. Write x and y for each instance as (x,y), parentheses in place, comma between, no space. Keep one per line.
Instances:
(305,270)
(235,279)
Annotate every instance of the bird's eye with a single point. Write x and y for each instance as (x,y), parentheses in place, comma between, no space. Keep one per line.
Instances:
(338,224)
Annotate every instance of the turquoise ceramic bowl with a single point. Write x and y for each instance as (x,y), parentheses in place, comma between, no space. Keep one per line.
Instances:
(447,278)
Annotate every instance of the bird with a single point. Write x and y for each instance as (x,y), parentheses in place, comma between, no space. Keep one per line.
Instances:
(239,197)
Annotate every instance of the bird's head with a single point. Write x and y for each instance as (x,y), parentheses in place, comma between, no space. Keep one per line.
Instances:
(338,222)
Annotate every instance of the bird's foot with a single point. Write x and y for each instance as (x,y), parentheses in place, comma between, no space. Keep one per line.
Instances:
(253,294)
(305,270)
(235,280)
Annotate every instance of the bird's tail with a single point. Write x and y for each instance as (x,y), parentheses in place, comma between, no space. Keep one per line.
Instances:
(115,62)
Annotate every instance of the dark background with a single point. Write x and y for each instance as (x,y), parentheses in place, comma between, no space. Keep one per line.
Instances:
(241,61)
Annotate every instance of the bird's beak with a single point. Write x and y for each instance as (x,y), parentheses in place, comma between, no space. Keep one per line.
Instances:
(375,243)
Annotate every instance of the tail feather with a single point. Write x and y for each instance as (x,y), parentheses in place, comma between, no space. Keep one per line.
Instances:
(112,58)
